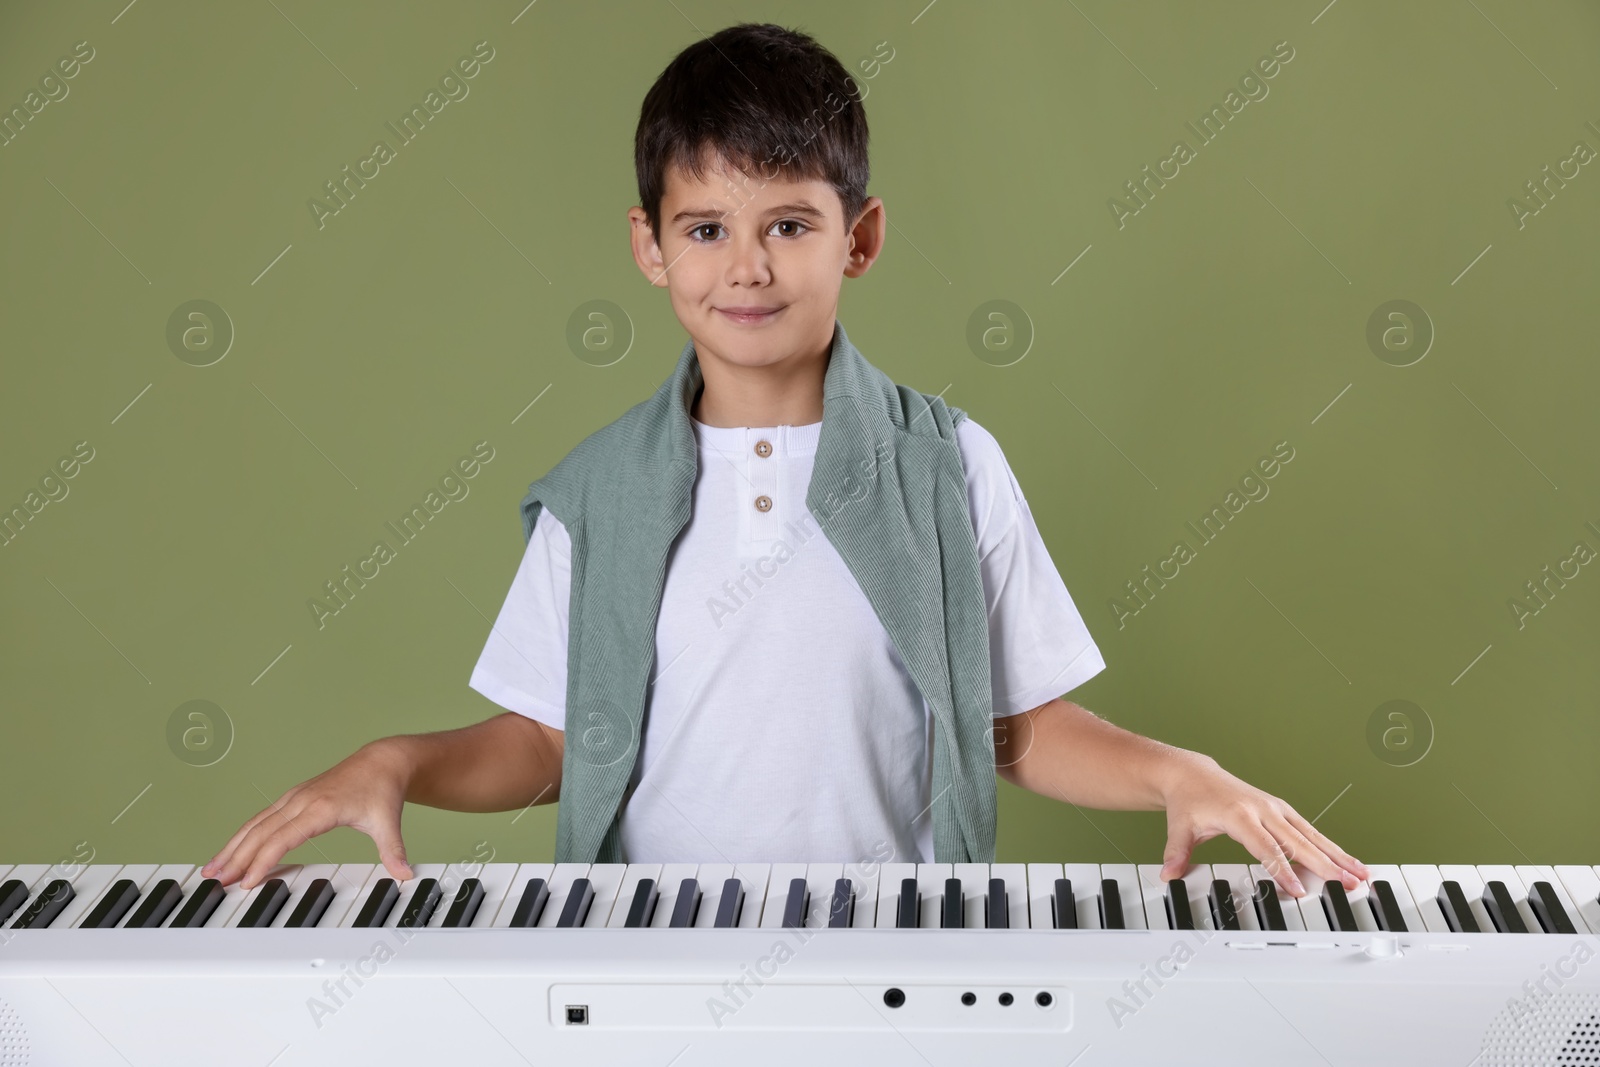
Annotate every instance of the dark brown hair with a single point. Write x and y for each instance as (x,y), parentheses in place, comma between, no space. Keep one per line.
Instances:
(768,100)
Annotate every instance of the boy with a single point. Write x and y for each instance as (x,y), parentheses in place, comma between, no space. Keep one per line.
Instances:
(794,609)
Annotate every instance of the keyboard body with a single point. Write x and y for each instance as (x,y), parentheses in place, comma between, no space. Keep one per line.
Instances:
(952,987)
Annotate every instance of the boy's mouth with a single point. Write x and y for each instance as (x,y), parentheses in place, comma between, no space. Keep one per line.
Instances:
(753,315)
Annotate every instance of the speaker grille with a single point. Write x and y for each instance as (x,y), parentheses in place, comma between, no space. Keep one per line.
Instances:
(1563,1030)
(13,1038)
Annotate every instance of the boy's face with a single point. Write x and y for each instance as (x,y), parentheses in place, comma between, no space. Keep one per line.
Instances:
(753,266)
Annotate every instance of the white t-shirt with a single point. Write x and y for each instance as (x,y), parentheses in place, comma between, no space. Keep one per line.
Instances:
(781,725)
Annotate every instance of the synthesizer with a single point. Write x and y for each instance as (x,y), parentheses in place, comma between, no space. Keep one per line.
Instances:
(788,963)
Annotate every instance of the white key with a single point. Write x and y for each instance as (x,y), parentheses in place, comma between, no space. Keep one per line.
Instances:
(1583,887)
(1423,880)
(1409,913)
(636,873)
(1126,875)
(1015,876)
(1288,905)
(1360,908)
(348,881)
(1154,894)
(1472,888)
(1241,889)
(1041,893)
(1498,872)
(778,896)
(930,887)
(31,875)
(606,878)
(865,876)
(5,872)
(756,877)
(1085,879)
(672,876)
(890,876)
(89,891)
(712,877)
(517,885)
(974,893)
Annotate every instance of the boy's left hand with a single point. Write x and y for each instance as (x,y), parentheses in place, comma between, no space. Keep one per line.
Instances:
(1203,800)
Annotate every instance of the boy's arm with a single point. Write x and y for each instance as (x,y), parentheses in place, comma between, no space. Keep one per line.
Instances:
(1064,751)
(507,762)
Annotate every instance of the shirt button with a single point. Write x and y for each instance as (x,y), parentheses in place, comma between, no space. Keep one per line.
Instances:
(763,502)
(763,449)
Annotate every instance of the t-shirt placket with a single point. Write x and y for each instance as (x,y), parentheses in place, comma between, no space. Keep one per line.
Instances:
(758,522)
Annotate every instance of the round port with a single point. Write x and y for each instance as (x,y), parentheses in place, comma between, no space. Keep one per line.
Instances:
(1043,999)
(969,999)
(894,997)
(1005,1000)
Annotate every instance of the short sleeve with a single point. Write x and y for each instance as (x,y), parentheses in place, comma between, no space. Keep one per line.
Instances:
(523,666)
(1039,647)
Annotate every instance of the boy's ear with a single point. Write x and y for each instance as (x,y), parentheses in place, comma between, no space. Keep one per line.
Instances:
(646,252)
(866,238)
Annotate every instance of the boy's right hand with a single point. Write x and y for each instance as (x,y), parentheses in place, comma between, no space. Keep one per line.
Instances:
(366,791)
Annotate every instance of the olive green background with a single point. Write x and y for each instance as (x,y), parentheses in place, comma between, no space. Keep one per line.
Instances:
(1229,314)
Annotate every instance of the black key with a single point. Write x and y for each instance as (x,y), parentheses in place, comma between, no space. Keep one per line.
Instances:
(952,912)
(535,895)
(997,906)
(1336,903)
(380,902)
(1548,910)
(576,909)
(1386,908)
(1268,910)
(687,905)
(12,894)
(643,908)
(1453,902)
(46,906)
(318,895)
(268,902)
(469,898)
(200,905)
(113,906)
(1502,909)
(731,904)
(795,907)
(1223,917)
(1110,906)
(1179,917)
(156,906)
(420,908)
(908,915)
(842,912)
(1063,906)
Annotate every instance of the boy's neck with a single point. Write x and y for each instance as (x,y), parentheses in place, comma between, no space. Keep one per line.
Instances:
(785,393)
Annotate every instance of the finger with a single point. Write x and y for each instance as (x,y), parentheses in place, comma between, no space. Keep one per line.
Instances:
(221,859)
(289,834)
(1180,844)
(1318,838)
(284,829)
(1309,855)
(391,850)
(1274,859)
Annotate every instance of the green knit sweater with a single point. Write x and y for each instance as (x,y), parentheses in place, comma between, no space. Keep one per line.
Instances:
(889,492)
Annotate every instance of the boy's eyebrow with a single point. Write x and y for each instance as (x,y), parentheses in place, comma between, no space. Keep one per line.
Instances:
(799,207)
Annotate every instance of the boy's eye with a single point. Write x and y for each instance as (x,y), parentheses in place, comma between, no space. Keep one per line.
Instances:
(707,231)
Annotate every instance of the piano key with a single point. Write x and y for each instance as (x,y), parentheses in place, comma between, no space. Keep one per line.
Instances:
(532,904)
(157,905)
(890,878)
(930,890)
(606,881)
(201,905)
(313,904)
(1267,906)
(974,878)
(774,908)
(668,883)
(1423,880)
(730,903)
(1502,908)
(1549,910)
(46,906)
(420,908)
(1126,875)
(1041,894)
(1336,902)
(997,906)
(1220,897)
(642,908)
(575,912)
(265,907)
(300,881)
(13,894)
(908,906)
(495,878)
(1179,915)
(1582,886)
(350,884)
(1516,891)
(1453,902)
(1015,877)
(952,906)
(686,909)
(1386,908)
(1241,889)
(1466,875)
(1400,891)
(1064,906)
(516,885)
(628,892)
(379,902)
(1111,913)
(797,904)
(465,906)
(89,882)
(842,908)
(1263,900)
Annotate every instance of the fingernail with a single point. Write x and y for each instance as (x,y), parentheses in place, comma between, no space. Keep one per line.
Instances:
(1296,888)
